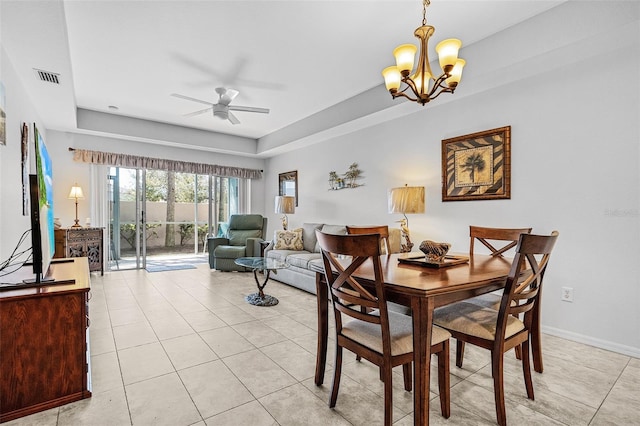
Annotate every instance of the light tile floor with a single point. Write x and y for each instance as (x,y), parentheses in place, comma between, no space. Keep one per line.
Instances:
(184,348)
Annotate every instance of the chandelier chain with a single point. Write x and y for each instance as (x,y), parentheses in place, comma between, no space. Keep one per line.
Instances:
(425,4)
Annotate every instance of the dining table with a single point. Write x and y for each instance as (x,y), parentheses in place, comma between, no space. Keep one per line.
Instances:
(422,288)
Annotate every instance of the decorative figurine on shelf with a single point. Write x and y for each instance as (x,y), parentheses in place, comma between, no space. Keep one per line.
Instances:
(352,174)
(407,245)
(434,252)
(333,180)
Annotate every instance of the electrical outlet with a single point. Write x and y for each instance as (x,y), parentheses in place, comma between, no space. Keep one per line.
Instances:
(567,294)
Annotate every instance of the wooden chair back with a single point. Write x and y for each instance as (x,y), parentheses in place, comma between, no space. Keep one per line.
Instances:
(524,283)
(347,295)
(382,230)
(489,237)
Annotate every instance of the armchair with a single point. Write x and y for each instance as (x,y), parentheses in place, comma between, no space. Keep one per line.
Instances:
(242,239)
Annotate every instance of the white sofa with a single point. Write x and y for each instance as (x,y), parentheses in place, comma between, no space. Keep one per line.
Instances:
(303,264)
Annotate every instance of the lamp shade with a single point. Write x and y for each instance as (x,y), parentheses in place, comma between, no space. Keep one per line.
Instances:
(76,193)
(285,204)
(406,200)
(405,55)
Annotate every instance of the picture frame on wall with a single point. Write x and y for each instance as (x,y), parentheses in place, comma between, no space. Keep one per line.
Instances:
(24,163)
(477,166)
(3,116)
(288,184)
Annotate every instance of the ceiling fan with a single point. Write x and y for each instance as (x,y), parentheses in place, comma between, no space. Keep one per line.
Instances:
(222,109)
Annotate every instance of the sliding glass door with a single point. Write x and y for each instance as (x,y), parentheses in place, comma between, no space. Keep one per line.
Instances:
(127,234)
(161,216)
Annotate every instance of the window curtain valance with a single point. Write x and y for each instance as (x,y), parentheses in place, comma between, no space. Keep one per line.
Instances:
(135,161)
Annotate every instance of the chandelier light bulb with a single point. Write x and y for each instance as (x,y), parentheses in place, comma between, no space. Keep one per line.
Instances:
(392,78)
(456,73)
(405,54)
(448,53)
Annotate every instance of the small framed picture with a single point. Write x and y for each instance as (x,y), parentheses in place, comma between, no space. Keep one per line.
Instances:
(477,166)
(24,163)
(3,116)
(288,184)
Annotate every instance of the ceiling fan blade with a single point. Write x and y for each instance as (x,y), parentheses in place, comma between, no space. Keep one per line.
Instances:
(233,119)
(188,98)
(202,111)
(249,109)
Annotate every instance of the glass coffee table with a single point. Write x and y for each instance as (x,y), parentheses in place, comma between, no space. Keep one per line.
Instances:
(261,264)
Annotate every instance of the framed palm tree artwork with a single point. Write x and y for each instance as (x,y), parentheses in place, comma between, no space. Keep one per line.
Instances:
(477,166)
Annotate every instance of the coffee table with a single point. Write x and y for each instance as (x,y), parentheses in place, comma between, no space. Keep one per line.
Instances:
(261,264)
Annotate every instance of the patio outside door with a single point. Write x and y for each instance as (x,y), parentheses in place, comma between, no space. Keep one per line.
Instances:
(127,233)
(159,218)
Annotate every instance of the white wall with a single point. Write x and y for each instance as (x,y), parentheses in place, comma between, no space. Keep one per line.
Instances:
(575,169)
(19,109)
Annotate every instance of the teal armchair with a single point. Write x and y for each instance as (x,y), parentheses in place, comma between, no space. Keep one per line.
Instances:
(242,239)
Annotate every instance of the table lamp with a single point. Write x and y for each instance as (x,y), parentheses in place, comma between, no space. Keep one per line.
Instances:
(285,204)
(76,194)
(406,200)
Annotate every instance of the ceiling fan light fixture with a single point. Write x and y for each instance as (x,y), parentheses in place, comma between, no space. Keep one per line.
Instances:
(221,111)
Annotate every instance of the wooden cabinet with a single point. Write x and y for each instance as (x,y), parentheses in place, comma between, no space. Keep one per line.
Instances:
(45,358)
(81,242)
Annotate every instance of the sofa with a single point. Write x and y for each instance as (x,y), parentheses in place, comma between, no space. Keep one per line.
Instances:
(302,252)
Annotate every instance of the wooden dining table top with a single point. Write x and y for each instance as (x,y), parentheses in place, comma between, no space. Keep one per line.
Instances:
(417,280)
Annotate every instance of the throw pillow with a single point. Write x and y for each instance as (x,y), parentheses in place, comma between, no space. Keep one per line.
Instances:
(309,238)
(289,240)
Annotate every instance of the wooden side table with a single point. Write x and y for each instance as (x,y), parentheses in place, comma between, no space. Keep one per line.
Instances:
(81,242)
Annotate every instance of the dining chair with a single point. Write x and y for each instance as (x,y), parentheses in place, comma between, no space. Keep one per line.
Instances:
(498,241)
(502,330)
(379,335)
(382,230)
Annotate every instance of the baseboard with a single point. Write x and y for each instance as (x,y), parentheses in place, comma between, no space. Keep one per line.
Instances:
(588,340)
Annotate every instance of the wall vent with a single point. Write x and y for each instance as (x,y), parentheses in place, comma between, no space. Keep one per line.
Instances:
(48,76)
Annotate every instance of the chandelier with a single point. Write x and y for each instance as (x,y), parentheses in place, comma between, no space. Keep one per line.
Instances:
(424,86)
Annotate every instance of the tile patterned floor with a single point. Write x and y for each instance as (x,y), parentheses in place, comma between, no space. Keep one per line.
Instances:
(183,348)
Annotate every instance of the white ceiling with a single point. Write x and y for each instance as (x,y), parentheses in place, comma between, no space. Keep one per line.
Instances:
(296,58)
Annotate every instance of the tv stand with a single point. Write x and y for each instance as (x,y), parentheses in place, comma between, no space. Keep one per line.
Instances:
(44,345)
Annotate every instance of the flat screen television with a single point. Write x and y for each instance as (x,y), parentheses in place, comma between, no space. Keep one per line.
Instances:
(41,197)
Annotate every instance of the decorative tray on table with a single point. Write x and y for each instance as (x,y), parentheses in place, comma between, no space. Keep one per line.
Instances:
(449,260)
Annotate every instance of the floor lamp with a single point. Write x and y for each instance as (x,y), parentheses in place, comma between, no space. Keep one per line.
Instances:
(76,194)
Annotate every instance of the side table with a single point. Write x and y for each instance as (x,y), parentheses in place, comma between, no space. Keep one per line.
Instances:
(261,264)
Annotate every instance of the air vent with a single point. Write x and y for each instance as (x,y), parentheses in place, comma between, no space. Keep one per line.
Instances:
(48,76)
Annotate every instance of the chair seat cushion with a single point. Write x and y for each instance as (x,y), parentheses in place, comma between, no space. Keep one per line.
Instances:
(229,252)
(492,300)
(488,300)
(474,320)
(400,327)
